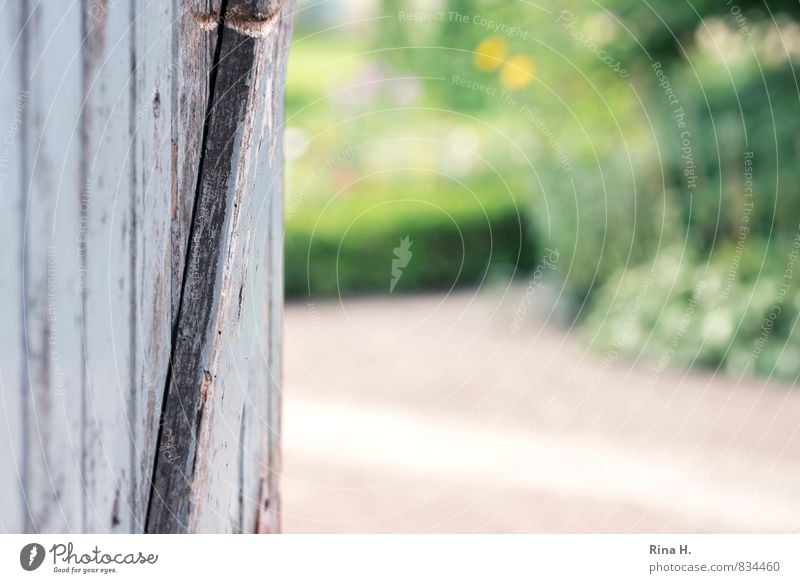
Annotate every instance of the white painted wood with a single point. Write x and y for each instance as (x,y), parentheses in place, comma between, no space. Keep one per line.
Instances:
(155,199)
(199,479)
(53,380)
(109,252)
(13,102)
(106,207)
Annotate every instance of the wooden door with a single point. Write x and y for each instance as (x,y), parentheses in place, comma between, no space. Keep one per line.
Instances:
(141,291)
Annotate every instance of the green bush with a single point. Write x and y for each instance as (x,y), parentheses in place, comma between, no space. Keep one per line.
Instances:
(730,302)
(349,247)
(737,312)
(743,131)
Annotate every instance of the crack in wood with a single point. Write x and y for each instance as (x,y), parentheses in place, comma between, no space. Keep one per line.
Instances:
(144,153)
(247,22)
(160,517)
(180,474)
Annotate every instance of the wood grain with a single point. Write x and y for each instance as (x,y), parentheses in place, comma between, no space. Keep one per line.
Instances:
(53,381)
(140,207)
(205,397)
(13,103)
(108,227)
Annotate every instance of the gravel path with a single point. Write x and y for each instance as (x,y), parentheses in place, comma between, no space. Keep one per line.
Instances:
(428,414)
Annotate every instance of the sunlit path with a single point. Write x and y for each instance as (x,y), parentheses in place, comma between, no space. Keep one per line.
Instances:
(429,414)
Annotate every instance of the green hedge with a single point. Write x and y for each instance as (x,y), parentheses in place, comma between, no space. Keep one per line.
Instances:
(456,240)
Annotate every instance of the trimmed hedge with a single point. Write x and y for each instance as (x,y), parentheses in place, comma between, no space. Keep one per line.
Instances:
(349,247)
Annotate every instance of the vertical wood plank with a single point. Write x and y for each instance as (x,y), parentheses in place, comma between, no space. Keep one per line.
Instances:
(108,286)
(164,212)
(54,378)
(257,359)
(153,184)
(204,401)
(143,237)
(13,103)
(269,517)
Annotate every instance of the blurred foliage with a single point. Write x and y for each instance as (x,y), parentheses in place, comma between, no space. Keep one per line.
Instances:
(730,178)
(350,247)
(641,140)
(684,312)
(734,113)
(665,30)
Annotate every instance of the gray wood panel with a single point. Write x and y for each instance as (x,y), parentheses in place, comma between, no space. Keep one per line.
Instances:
(197,478)
(54,381)
(141,216)
(155,197)
(107,250)
(13,103)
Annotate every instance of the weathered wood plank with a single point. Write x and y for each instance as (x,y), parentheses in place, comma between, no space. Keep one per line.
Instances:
(202,413)
(53,381)
(269,514)
(153,184)
(256,361)
(143,235)
(13,102)
(185,90)
(192,60)
(108,227)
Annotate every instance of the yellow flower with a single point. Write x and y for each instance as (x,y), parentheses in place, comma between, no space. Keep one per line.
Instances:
(489,53)
(517,72)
